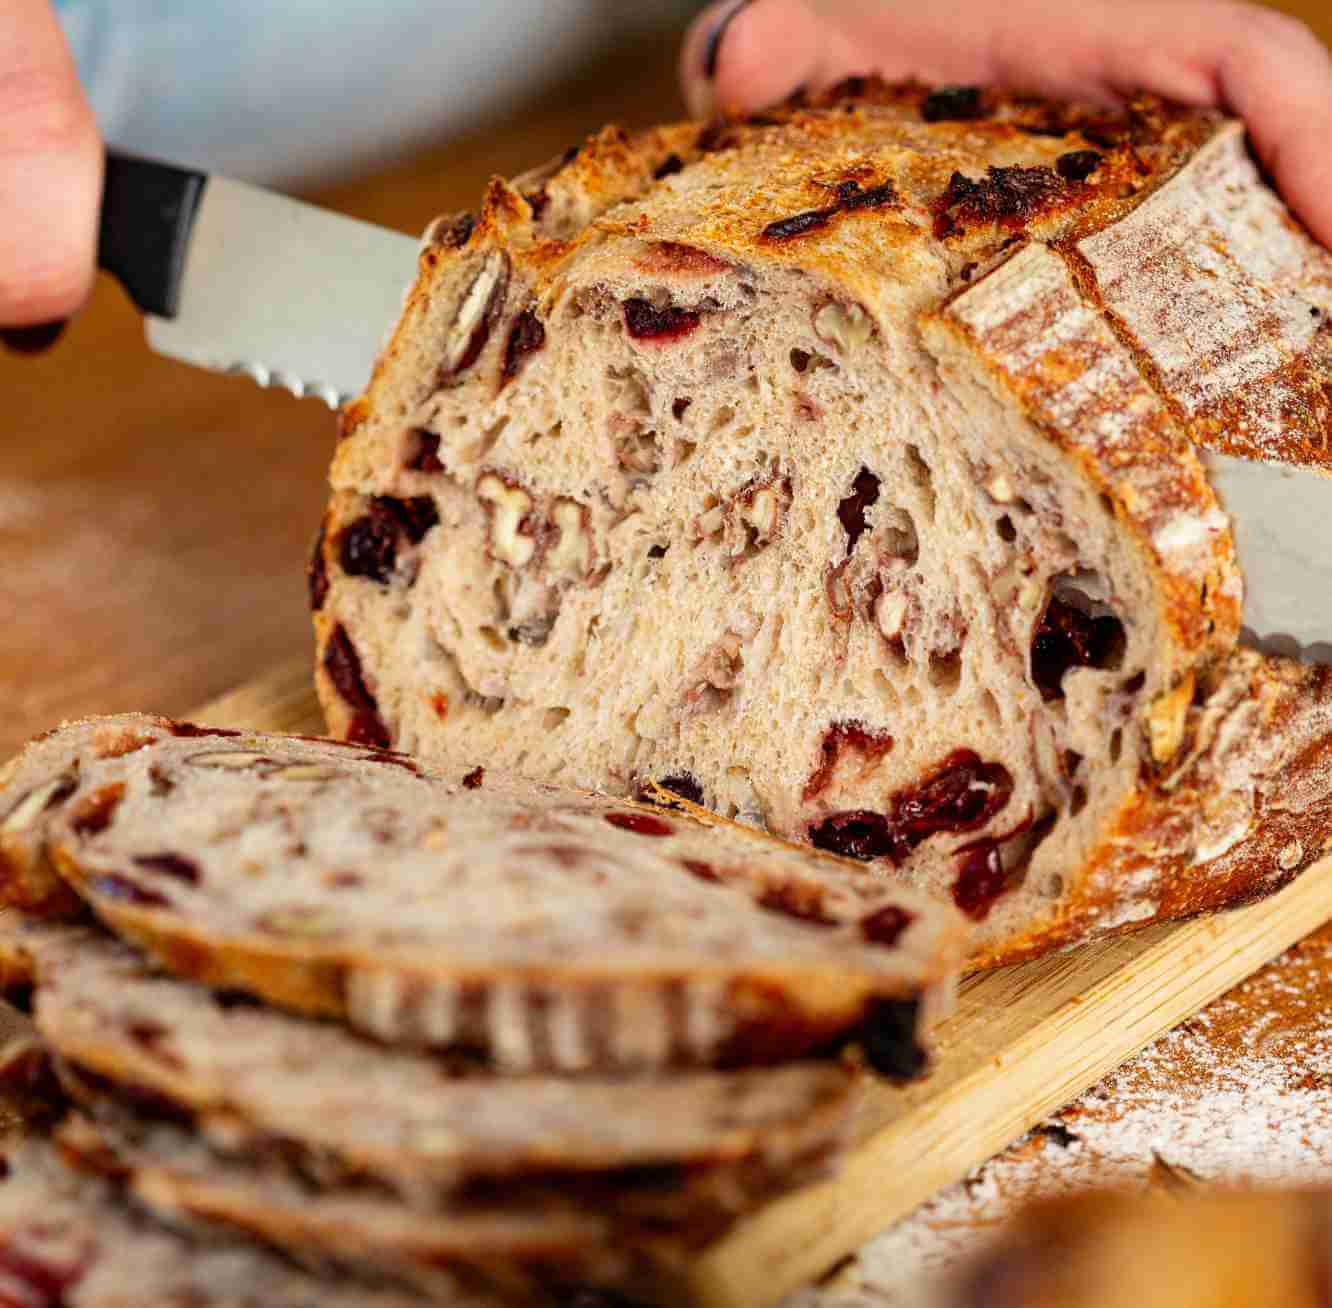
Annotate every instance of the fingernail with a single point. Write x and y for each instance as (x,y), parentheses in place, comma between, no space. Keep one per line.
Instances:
(712,50)
(35,339)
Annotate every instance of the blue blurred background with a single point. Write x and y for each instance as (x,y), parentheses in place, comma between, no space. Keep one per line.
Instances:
(304,92)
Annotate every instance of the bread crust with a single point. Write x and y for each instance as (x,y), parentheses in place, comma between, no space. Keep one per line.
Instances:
(1171,228)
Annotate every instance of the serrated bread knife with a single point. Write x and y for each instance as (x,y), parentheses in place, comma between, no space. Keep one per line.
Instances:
(237,279)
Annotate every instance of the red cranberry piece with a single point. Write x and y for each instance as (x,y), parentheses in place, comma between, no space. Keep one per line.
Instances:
(317,574)
(953,104)
(343,665)
(682,784)
(188,730)
(176,866)
(888,1038)
(648,323)
(841,737)
(885,926)
(415,516)
(981,880)
(1078,165)
(1010,197)
(43,1284)
(644,824)
(800,224)
(851,511)
(802,902)
(475,779)
(368,548)
(1066,637)
(964,794)
(526,337)
(861,835)
(703,871)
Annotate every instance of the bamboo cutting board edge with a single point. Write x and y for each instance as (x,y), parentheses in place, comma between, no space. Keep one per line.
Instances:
(1023,1042)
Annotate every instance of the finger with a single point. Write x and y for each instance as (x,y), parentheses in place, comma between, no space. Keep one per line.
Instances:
(50,170)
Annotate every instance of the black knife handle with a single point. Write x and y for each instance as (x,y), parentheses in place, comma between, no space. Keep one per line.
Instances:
(148,210)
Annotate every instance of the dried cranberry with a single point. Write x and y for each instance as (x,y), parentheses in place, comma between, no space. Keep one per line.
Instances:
(189,730)
(703,871)
(121,890)
(981,880)
(1078,165)
(475,779)
(416,515)
(176,866)
(648,323)
(839,738)
(888,1038)
(885,926)
(962,795)
(94,812)
(861,834)
(953,104)
(682,784)
(343,666)
(877,197)
(803,902)
(786,229)
(526,337)
(1008,196)
(679,409)
(41,1284)
(317,574)
(426,458)
(369,548)
(644,824)
(668,167)
(1066,637)
(851,511)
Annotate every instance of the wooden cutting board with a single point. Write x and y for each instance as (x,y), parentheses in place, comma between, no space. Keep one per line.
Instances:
(1023,1042)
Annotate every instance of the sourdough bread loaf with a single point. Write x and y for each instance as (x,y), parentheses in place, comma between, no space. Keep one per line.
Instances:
(687,1149)
(540,928)
(835,469)
(70,1240)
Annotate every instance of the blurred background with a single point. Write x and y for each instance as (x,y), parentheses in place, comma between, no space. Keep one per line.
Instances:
(154,520)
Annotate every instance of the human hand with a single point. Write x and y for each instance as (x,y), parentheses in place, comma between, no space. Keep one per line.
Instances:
(50,177)
(1255,62)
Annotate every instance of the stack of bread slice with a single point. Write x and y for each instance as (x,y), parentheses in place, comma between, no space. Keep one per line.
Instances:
(327,1019)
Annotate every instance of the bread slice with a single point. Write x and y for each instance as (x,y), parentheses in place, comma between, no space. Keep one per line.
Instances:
(70,1241)
(833,469)
(686,1151)
(540,928)
(520,1251)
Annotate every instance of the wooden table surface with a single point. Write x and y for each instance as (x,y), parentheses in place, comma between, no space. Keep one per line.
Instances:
(154,519)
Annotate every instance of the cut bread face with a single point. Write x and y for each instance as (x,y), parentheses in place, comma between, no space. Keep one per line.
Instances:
(69,1239)
(542,929)
(834,481)
(686,1150)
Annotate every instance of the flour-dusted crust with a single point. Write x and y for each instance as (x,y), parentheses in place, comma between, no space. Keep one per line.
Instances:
(539,927)
(687,1149)
(70,1240)
(835,468)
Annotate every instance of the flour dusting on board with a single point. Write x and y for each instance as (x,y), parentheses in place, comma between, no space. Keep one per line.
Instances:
(1237,1095)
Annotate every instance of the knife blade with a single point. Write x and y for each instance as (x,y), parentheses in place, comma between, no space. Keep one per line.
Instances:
(1279,515)
(237,279)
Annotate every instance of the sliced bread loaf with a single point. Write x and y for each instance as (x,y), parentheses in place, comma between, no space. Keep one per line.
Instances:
(538,927)
(833,469)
